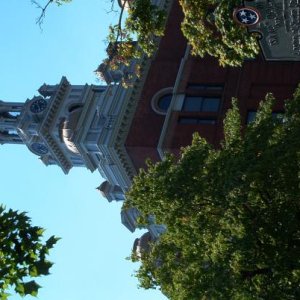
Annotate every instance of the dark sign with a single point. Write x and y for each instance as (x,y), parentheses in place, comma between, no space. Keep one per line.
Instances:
(279,28)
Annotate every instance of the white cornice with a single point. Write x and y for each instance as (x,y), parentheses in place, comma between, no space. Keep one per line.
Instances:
(160,146)
(55,104)
(61,159)
(50,121)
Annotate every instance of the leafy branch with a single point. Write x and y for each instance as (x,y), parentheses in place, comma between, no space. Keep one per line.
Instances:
(135,36)
(210,29)
(23,254)
(232,213)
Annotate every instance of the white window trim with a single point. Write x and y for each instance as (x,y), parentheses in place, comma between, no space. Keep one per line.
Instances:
(157,96)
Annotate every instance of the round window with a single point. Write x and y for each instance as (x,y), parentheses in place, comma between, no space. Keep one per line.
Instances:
(163,102)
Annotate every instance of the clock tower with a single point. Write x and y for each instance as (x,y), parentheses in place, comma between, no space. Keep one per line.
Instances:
(74,125)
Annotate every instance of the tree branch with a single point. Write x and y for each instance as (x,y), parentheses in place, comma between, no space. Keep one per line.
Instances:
(43,9)
(119,31)
(120,19)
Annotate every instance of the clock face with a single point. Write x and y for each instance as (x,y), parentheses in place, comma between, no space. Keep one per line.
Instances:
(39,148)
(38,105)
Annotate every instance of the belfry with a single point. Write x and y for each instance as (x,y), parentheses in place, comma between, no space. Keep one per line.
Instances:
(72,125)
(79,126)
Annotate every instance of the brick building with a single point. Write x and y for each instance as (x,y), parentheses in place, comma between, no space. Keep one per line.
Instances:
(182,94)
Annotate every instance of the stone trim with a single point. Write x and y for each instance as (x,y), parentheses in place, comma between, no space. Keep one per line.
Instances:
(160,146)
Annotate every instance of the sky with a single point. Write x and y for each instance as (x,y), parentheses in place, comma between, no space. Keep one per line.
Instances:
(90,259)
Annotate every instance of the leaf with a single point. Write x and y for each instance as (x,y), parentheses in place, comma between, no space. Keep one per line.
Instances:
(51,241)
(22,253)
(31,288)
(33,272)
(43,267)
(20,289)
(4,296)
(40,231)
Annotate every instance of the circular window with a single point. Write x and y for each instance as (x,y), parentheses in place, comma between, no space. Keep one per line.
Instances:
(39,148)
(161,101)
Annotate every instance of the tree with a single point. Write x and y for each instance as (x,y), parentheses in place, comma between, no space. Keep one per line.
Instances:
(232,214)
(208,26)
(145,22)
(23,254)
(135,36)
(210,29)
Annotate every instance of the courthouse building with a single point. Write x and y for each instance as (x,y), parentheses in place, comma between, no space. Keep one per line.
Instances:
(114,130)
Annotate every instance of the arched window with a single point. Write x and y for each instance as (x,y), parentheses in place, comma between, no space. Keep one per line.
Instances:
(161,100)
(74,107)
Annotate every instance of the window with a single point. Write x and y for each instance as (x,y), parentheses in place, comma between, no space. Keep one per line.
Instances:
(279,115)
(203,104)
(12,132)
(196,120)
(74,107)
(205,87)
(14,114)
(163,102)
(251,116)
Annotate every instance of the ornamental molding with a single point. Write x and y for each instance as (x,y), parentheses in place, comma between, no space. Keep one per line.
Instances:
(60,157)
(133,97)
(55,104)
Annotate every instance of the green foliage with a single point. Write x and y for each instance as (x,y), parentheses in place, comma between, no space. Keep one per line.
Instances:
(22,253)
(233,214)
(146,21)
(137,35)
(209,27)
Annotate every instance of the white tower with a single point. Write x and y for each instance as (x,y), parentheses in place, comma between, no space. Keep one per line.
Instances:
(73,125)
(79,125)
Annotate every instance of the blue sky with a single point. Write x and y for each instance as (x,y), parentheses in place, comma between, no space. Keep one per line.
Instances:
(90,259)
